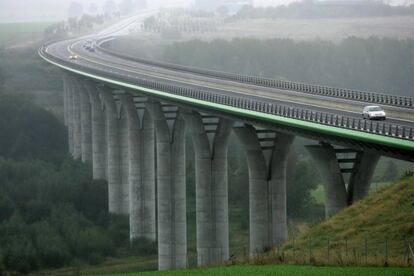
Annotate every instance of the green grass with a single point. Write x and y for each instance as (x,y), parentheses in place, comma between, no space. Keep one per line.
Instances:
(119,265)
(281,270)
(15,33)
(319,196)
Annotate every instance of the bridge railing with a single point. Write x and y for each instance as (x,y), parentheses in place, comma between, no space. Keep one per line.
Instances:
(303,114)
(342,93)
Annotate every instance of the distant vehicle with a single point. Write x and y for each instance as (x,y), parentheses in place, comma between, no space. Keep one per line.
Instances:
(73,57)
(373,112)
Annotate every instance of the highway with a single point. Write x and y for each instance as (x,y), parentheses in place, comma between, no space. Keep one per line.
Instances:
(119,68)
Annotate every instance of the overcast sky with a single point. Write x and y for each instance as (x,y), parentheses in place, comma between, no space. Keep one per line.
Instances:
(55,10)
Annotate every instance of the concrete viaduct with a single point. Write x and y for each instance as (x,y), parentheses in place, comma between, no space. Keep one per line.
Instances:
(129,119)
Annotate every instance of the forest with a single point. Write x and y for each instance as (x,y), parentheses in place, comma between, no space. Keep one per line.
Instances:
(53,214)
(322,9)
(375,64)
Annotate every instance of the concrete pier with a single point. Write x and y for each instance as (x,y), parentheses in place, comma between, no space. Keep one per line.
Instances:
(141,172)
(361,178)
(99,134)
(171,190)
(77,125)
(333,182)
(117,184)
(70,116)
(66,84)
(211,188)
(267,187)
(86,121)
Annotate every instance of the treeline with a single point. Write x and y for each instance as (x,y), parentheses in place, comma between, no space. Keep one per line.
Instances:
(325,9)
(75,25)
(52,213)
(376,64)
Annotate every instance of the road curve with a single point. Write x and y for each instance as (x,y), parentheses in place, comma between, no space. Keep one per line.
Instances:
(118,67)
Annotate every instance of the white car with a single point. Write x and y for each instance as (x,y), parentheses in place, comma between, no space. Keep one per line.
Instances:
(373,112)
(73,57)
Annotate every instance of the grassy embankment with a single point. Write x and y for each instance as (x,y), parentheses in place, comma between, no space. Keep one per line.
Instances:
(377,230)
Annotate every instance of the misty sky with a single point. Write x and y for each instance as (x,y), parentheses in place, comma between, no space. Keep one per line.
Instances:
(55,10)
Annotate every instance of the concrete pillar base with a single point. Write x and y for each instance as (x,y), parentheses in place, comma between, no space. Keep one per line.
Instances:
(267,154)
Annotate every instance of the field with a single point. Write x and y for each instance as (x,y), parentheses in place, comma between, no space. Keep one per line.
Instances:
(310,29)
(287,270)
(13,34)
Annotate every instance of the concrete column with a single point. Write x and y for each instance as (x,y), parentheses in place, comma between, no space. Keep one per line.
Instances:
(171,191)
(267,189)
(211,190)
(117,191)
(360,180)
(99,139)
(77,130)
(70,118)
(148,207)
(86,124)
(277,184)
(141,173)
(65,98)
(124,161)
(334,185)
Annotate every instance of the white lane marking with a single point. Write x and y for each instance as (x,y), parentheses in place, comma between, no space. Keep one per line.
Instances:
(114,65)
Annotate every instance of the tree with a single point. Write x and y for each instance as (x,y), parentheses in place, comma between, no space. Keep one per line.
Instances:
(75,9)
(31,132)
(301,181)
(93,8)
(141,4)
(109,7)
(126,6)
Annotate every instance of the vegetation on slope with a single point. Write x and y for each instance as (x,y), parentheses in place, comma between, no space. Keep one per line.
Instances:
(378,230)
(388,213)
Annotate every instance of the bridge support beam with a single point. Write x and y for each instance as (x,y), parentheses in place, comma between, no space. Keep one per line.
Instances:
(338,195)
(69,113)
(141,172)
(361,178)
(211,187)
(86,121)
(171,190)
(334,185)
(117,148)
(99,134)
(77,124)
(267,186)
(66,83)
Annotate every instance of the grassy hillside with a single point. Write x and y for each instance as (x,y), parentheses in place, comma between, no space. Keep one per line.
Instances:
(376,229)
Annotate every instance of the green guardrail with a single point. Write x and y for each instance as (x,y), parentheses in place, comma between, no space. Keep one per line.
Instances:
(392,142)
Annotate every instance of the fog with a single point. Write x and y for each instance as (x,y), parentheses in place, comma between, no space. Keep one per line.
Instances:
(55,10)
